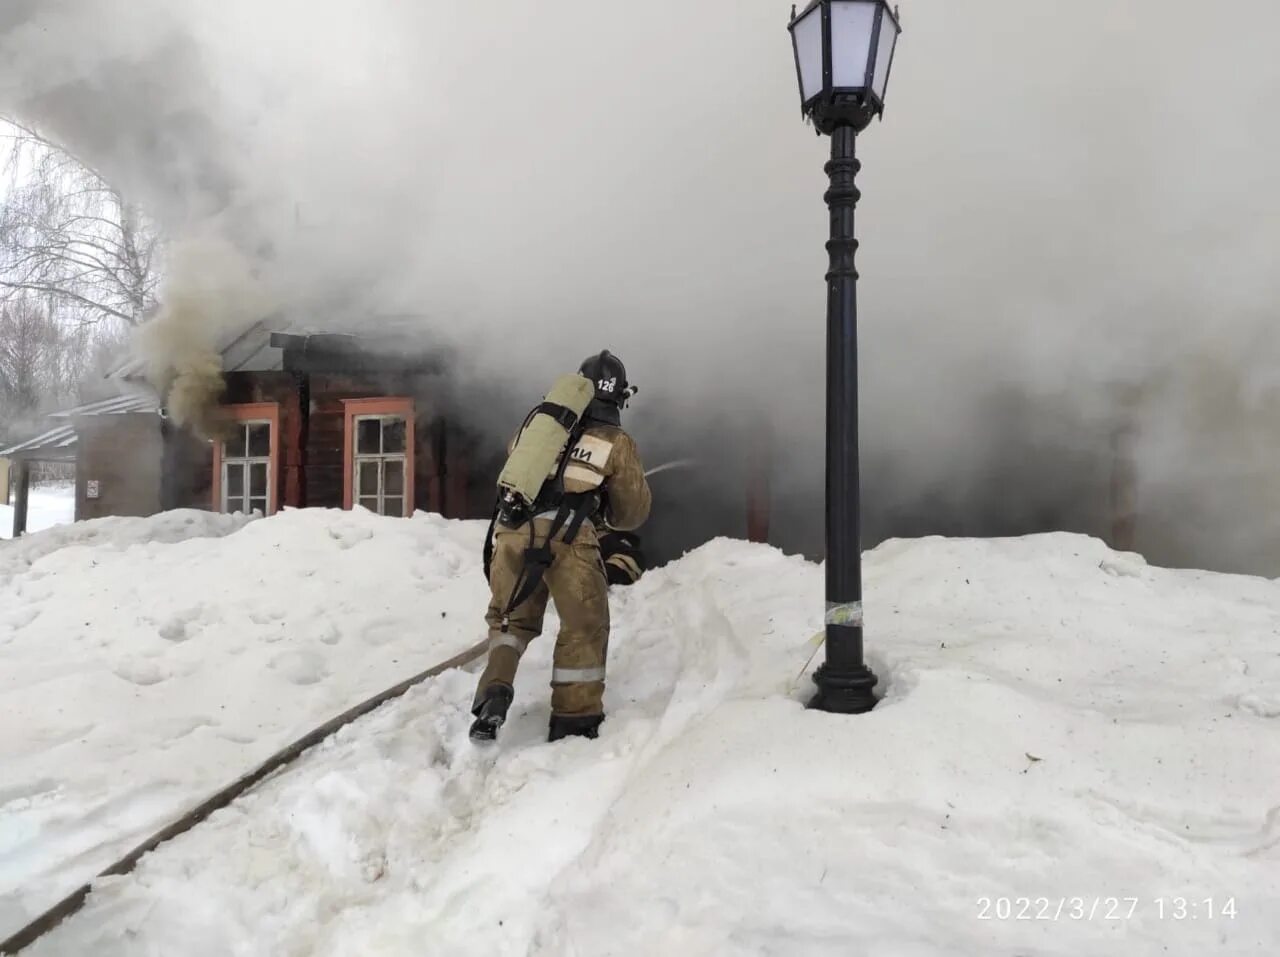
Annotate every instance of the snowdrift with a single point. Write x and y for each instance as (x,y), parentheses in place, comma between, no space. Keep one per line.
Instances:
(147,662)
(1062,724)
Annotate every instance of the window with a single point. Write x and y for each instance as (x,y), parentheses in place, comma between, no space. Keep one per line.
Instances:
(246,468)
(244,459)
(380,463)
(379,466)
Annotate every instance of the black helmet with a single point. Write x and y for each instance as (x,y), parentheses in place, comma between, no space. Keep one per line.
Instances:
(610,376)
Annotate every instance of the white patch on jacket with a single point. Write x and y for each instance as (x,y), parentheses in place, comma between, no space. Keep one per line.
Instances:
(592,450)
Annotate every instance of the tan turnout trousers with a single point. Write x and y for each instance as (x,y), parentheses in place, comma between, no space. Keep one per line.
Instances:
(576,583)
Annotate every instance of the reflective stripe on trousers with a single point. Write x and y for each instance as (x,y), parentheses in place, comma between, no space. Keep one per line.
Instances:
(499,640)
(568,676)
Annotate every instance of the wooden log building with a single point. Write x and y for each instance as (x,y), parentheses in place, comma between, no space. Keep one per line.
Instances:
(306,420)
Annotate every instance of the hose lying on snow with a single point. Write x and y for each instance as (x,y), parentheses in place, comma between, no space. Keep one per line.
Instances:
(76,900)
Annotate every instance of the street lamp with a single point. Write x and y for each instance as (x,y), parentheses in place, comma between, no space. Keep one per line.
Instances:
(843,51)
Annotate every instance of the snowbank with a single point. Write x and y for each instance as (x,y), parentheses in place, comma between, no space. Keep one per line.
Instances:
(1060,721)
(48,505)
(115,534)
(147,662)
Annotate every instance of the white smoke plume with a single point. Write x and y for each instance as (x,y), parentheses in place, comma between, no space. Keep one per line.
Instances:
(1064,203)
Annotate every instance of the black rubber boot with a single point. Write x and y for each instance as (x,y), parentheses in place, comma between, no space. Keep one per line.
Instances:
(582,726)
(491,712)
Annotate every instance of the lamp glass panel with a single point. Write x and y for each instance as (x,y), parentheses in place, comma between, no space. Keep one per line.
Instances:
(884,54)
(852,23)
(807,37)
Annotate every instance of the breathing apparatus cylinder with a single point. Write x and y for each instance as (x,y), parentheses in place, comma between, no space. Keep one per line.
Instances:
(538,448)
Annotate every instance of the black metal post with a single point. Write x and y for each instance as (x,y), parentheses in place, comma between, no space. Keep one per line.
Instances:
(844,681)
(22,496)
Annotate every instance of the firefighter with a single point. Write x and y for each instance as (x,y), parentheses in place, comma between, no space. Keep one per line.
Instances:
(601,486)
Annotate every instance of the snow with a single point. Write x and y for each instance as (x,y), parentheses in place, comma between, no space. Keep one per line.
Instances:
(147,662)
(48,505)
(1060,721)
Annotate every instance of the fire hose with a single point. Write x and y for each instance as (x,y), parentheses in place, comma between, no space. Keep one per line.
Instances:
(74,901)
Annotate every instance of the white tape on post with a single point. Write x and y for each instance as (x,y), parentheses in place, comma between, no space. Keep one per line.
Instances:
(846,613)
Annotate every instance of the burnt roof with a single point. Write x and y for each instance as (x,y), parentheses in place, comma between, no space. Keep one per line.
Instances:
(381,341)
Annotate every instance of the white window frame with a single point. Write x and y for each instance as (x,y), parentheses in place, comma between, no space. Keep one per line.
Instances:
(246,461)
(381,458)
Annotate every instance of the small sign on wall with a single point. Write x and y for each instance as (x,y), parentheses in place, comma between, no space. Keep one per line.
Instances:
(92,488)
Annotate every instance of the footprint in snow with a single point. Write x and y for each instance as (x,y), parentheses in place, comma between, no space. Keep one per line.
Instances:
(382,631)
(27,791)
(178,627)
(140,671)
(177,728)
(1262,705)
(347,537)
(235,737)
(174,630)
(300,667)
(21,618)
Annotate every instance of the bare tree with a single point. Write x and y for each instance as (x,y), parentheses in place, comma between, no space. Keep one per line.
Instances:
(68,234)
(29,359)
(45,361)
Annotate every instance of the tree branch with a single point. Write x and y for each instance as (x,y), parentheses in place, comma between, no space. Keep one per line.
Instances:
(68,294)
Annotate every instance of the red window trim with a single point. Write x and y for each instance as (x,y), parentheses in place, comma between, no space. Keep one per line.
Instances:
(244,413)
(384,405)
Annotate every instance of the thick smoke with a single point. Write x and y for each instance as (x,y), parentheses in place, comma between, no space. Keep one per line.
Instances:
(1066,204)
(210,294)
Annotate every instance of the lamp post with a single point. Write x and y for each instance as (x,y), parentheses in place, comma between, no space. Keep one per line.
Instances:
(843,51)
